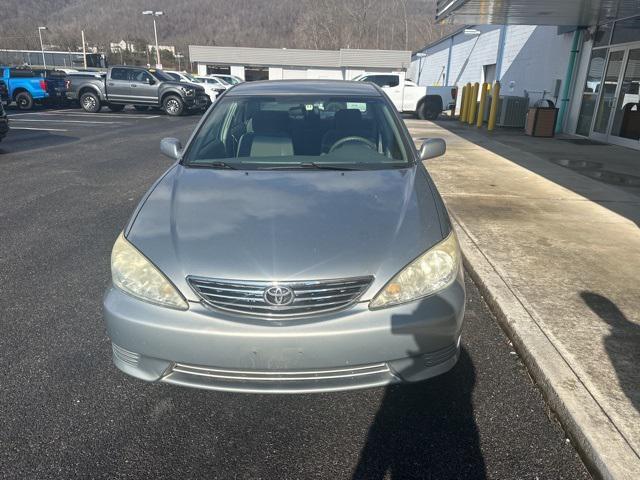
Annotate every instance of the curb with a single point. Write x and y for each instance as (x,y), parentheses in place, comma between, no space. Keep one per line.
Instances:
(602,447)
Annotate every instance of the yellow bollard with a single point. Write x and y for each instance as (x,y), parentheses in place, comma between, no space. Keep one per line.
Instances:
(483,101)
(467,103)
(463,99)
(493,113)
(473,103)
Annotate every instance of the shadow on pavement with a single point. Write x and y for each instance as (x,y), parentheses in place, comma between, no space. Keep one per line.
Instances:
(425,430)
(622,344)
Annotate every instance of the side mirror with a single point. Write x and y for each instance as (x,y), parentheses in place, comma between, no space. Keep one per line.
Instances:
(149,81)
(171,147)
(432,148)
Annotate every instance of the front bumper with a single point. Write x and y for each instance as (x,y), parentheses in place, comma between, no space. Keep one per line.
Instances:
(349,349)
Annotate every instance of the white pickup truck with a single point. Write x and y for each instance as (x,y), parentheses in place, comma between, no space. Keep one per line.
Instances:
(407,96)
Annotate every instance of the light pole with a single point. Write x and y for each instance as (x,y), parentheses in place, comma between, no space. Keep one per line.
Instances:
(44,62)
(179,56)
(155,32)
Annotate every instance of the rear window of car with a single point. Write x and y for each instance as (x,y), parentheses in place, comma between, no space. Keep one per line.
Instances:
(21,73)
(267,132)
(119,74)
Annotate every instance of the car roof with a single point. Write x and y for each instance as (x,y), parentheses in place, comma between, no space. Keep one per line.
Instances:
(305,87)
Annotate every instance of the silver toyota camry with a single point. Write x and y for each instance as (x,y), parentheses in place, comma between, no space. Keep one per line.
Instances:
(297,244)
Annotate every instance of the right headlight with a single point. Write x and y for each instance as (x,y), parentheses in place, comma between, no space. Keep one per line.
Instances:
(133,273)
(432,271)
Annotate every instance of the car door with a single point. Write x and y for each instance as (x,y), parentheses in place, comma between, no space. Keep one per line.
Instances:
(118,89)
(144,86)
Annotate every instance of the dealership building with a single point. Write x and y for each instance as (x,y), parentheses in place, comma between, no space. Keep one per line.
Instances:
(281,63)
(584,55)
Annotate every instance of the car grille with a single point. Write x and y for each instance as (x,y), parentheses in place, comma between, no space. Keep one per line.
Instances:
(309,297)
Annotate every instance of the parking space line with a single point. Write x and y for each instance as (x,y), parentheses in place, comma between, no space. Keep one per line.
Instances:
(41,129)
(29,120)
(79,114)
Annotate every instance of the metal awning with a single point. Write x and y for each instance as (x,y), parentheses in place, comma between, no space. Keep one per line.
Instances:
(531,12)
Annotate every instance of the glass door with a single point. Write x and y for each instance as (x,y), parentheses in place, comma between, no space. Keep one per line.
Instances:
(625,126)
(608,91)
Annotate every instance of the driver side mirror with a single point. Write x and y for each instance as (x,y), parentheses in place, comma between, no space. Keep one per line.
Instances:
(149,81)
(171,147)
(432,148)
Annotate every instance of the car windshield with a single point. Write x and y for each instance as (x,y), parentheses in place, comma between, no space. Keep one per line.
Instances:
(299,132)
(191,78)
(163,76)
(231,80)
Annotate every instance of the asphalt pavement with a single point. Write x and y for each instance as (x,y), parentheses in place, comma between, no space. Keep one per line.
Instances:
(66,190)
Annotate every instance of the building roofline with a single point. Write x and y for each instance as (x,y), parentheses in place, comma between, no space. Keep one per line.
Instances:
(442,39)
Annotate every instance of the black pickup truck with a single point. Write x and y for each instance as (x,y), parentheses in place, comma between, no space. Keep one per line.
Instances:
(137,86)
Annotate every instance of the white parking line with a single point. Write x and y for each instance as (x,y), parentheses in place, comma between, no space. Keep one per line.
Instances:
(29,120)
(43,129)
(79,114)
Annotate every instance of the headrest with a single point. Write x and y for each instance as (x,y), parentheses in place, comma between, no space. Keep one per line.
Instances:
(348,118)
(265,122)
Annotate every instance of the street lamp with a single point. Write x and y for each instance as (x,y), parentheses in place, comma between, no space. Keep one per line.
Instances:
(179,56)
(155,32)
(44,62)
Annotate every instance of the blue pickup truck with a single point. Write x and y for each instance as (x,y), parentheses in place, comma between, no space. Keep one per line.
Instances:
(27,87)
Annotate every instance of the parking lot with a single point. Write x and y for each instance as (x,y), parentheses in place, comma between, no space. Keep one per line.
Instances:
(69,182)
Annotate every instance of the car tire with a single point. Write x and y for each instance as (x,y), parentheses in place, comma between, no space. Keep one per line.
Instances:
(173,105)
(24,101)
(116,108)
(90,102)
(141,108)
(430,108)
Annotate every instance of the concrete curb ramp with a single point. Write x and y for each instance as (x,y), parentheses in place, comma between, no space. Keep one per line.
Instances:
(603,448)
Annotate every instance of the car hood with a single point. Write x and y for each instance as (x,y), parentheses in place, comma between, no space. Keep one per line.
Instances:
(177,83)
(286,225)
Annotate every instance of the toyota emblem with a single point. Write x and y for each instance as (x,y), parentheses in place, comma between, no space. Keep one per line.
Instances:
(278,296)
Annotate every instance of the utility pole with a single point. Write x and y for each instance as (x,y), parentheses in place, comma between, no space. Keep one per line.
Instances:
(84,51)
(155,32)
(44,61)
(179,56)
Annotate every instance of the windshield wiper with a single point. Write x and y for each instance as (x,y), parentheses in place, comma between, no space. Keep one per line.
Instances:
(310,165)
(213,165)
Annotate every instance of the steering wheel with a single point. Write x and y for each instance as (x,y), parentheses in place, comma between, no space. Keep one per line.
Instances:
(354,138)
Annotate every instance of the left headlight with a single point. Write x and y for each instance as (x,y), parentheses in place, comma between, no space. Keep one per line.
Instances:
(133,273)
(432,271)
(188,91)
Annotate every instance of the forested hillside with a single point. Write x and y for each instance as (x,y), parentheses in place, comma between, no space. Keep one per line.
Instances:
(324,24)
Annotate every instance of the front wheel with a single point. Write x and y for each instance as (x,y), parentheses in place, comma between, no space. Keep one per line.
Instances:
(173,105)
(24,101)
(90,102)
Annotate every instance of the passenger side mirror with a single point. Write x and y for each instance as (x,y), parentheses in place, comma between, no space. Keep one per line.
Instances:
(171,147)
(432,148)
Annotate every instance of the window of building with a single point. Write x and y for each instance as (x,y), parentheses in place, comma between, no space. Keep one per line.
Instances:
(591,89)
(626,31)
(251,74)
(218,70)
(603,35)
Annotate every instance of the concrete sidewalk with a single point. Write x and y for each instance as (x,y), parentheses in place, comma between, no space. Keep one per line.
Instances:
(557,254)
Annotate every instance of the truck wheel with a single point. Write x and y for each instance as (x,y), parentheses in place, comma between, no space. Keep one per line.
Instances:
(141,108)
(116,108)
(173,105)
(90,102)
(24,101)
(430,108)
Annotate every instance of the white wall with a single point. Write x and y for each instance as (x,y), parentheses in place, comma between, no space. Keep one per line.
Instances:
(237,70)
(202,69)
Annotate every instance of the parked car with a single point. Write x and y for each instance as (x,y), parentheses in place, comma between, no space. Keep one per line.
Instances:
(56,84)
(407,96)
(188,78)
(4,122)
(141,87)
(230,79)
(297,244)
(4,93)
(26,88)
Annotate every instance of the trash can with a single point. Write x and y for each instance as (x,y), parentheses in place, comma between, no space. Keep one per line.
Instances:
(541,119)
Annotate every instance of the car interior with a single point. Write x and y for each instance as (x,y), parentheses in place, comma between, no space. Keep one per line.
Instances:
(258,129)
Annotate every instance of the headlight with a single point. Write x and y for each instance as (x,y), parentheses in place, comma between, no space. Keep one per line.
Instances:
(133,273)
(432,271)
(188,91)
